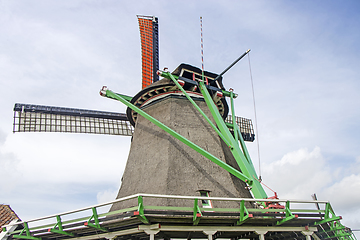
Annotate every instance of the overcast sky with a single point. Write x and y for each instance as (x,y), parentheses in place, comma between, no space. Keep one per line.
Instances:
(305,61)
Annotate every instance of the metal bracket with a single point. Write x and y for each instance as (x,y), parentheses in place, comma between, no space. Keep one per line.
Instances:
(244,214)
(327,218)
(339,236)
(60,229)
(289,216)
(96,219)
(196,213)
(140,211)
(28,234)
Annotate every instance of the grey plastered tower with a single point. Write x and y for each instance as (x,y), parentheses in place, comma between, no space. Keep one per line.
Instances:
(160,164)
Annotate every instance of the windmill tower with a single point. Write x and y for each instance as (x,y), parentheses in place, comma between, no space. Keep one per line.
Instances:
(158,162)
(185,147)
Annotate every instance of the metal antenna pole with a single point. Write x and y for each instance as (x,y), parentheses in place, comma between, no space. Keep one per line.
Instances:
(202,51)
(232,64)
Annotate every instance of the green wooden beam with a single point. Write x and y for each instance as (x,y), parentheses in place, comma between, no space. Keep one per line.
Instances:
(170,76)
(288,214)
(28,234)
(246,168)
(96,220)
(60,229)
(140,213)
(196,213)
(181,138)
(244,214)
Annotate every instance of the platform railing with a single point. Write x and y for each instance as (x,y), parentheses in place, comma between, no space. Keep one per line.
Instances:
(91,218)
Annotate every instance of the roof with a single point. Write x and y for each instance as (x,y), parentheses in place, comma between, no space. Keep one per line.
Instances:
(6,215)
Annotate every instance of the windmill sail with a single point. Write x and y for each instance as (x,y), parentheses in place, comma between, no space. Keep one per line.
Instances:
(149,49)
(37,118)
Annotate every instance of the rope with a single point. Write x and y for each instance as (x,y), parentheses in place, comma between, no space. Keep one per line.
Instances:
(256,126)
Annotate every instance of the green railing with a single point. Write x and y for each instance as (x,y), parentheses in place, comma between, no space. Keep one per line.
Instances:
(94,220)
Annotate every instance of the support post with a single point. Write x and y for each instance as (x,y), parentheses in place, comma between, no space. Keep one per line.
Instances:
(96,220)
(209,234)
(152,233)
(60,229)
(261,234)
(196,213)
(288,214)
(307,234)
(140,213)
(244,214)
(28,234)
(327,218)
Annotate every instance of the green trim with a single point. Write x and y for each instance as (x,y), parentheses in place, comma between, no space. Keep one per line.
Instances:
(244,214)
(196,213)
(28,234)
(246,168)
(96,220)
(140,214)
(60,229)
(288,214)
(229,125)
(330,215)
(339,235)
(233,116)
(228,93)
(181,138)
(127,98)
(118,211)
(327,220)
(170,76)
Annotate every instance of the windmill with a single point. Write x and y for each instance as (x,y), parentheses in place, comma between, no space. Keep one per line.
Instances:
(185,147)
(37,118)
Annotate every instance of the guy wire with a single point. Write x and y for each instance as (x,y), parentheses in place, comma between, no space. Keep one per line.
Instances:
(256,126)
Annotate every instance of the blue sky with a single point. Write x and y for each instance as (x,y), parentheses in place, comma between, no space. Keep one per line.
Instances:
(305,66)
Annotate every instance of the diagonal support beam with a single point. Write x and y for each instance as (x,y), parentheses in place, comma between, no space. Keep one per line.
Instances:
(246,168)
(60,229)
(330,215)
(96,220)
(197,213)
(244,214)
(28,234)
(168,75)
(233,171)
(140,213)
(288,214)
(241,156)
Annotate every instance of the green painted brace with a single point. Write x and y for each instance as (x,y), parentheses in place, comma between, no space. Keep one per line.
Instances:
(203,152)
(28,234)
(196,213)
(96,220)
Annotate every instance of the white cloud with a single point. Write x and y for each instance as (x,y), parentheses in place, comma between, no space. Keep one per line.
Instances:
(298,174)
(106,196)
(345,193)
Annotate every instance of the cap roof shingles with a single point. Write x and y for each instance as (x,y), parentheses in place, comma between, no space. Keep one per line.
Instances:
(7,215)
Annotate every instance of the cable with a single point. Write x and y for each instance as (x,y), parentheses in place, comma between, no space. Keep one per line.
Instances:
(202,51)
(256,126)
